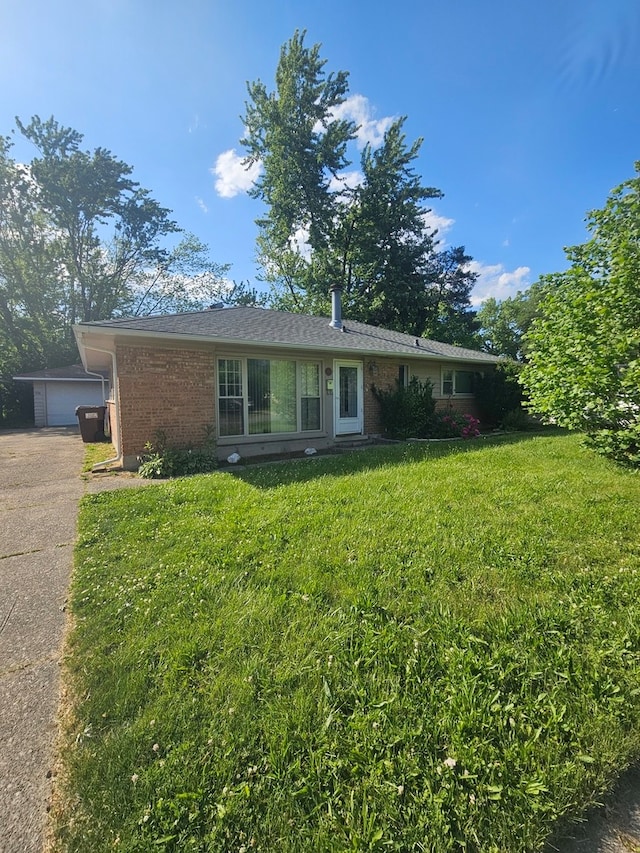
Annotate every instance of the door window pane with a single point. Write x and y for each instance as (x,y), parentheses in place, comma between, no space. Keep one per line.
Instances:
(348,392)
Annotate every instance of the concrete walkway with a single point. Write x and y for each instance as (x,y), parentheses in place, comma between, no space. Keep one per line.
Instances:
(39,491)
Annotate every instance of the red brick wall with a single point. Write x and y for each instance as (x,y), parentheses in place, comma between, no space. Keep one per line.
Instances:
(164,389)
(383,375)
(462,405)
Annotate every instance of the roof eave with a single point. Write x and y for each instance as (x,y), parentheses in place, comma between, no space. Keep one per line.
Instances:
(408,352)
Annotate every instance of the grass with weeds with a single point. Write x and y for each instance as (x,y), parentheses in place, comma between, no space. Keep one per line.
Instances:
(413,648)
(95,452)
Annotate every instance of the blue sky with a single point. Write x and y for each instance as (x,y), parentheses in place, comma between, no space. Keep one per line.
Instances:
(530,111)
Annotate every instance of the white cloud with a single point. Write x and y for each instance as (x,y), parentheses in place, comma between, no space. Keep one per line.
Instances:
(203,207)
(300,243)
(346,180)
(232,177)
(370,130)
(434,222)
(494,280)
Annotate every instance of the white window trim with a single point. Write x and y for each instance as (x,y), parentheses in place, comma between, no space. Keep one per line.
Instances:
(260,436)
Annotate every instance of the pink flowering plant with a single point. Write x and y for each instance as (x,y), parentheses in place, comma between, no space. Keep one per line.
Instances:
(472,427)
(453,425)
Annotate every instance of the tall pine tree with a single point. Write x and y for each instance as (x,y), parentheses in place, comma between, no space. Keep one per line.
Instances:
(322,227)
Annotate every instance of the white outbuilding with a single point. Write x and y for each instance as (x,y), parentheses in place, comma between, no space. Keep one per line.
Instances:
(57,392)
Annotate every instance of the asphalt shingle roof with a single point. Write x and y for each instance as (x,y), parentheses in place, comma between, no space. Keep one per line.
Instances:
(240,324)
(71,371)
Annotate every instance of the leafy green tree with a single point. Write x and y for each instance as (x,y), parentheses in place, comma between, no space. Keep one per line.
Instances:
(319,228)
(584,347)
(447,297)
(110,228)
(184,278)
(301,146)
(31,333)
(383,248)
(503,325)
(80,241)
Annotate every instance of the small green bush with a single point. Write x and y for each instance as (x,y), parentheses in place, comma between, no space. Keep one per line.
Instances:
(407,412)
(498,393)
(519,420)
(161,461)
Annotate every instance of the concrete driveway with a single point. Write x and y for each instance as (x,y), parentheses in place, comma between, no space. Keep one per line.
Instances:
(39,491)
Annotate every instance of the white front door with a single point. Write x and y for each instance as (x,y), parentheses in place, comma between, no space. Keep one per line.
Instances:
(348,397)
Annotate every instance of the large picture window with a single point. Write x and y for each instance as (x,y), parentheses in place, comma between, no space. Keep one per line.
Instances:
(259,396)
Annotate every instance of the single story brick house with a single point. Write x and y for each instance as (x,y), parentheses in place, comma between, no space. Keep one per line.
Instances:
(267,382)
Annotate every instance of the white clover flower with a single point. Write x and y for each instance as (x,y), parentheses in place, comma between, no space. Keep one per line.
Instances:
(135,778)
(450,762)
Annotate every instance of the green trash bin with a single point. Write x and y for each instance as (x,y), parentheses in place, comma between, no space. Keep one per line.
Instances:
(91,421)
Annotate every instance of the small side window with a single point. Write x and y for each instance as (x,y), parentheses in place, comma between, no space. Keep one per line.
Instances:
(403,375)
(447,383)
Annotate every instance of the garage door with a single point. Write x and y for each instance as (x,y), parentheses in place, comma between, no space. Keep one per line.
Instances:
(63,397)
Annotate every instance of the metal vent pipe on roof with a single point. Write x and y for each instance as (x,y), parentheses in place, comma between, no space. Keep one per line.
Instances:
(336,306)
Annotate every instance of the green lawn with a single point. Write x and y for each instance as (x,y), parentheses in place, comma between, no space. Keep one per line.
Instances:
(413,648)
(95,452)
